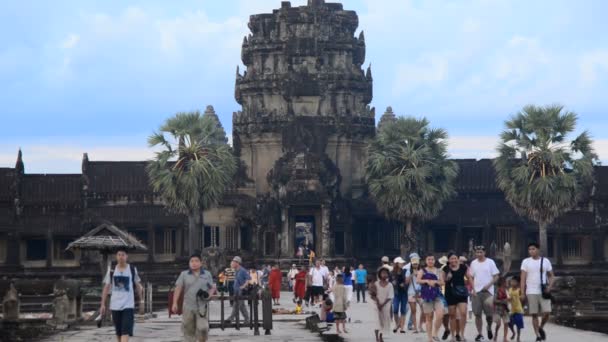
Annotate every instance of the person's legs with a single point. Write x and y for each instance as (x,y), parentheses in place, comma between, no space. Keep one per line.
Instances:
(497,328)
(477,310)
(462,313)
(117,320)
(452,315)
(545,308)
(505,322)
(396,302)
(488,309)
(403,310)
(189,325)
(413,305)
(243,308)
(429,325)
(439,308)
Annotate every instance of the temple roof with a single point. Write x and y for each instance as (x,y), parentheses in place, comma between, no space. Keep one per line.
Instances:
(7,178)
(51,189)
(601,178)
(120,177)
(476,176)
(107,237)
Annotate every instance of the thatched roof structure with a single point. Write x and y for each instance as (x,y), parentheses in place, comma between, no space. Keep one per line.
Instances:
(107,237)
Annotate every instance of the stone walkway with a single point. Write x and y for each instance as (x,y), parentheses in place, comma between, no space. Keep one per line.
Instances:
(291,328)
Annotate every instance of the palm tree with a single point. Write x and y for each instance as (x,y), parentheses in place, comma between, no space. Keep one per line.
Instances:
(193,168)
(540,171)
(409,174)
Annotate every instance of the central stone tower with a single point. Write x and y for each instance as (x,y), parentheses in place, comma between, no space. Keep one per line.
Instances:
(304,125)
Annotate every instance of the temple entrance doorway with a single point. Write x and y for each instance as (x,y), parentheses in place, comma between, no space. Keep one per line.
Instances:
(304,233)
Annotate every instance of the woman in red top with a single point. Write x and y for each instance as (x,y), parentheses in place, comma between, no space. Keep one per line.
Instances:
(274,282)
(300,288)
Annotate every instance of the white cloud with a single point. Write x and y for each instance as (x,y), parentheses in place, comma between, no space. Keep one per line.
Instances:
(70,41)
(427,72)
(519,59)
(592,64)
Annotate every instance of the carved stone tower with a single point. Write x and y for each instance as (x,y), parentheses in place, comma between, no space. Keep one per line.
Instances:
(305,122)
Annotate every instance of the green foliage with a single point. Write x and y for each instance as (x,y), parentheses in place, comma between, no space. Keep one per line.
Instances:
(540,171)
(194,165)
(408,171)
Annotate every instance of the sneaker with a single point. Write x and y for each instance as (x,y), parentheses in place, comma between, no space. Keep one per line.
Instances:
(542,334)
(490,335)
(458,339)
(538,339)
(479,338)
(446,334)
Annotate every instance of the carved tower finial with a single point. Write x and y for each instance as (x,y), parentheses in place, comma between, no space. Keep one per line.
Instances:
(315,3)
(387,118)
(19,166)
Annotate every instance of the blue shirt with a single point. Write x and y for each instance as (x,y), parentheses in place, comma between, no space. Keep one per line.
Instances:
(240,278)
(361,276)
(348,279)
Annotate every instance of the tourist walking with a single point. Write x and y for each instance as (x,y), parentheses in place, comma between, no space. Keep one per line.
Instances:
(382,293)
(536,282)
(360,277)
(291,276)
(483,274)
(399,282)
(456,294)
(318,280)
(348,283)
(413,292)
(274,283)
(123,281)
(341,303)
(431,279)
(331,282)
(196,285)
(517,310)
(241,281)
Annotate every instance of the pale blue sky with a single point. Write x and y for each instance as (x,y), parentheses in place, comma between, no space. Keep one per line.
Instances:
(99,76)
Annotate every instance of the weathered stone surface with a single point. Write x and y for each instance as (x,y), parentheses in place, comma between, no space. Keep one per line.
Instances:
(10,304)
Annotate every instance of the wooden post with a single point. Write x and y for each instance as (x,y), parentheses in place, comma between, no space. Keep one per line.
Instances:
(254,314)
(222,318)
(267,311)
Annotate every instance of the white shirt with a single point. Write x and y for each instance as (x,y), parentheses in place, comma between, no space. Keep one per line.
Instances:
(292,273)
(483,274)
(123,294)
(532,269)
(317,276)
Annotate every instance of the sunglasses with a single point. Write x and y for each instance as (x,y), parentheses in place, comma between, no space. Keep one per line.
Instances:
(480,248)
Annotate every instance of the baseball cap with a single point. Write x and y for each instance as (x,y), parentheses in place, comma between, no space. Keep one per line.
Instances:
(385,259)
(237,259)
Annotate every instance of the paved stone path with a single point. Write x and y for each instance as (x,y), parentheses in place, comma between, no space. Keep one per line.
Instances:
(291,328)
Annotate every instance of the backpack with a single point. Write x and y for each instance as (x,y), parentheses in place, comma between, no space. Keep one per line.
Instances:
(429,293)
(133,284)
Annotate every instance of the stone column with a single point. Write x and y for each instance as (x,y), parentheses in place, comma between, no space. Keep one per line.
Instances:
(49,248)
(557,248)
(325,233)
(285,232)
(151,242)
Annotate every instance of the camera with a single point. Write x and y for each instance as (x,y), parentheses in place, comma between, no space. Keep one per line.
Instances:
(201,294)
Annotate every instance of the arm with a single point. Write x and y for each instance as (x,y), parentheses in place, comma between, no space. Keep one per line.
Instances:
(176,293)
(494,279)
(104,296)
(441,280)
(550,279)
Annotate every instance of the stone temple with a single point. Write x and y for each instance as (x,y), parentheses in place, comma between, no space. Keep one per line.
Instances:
(301,136)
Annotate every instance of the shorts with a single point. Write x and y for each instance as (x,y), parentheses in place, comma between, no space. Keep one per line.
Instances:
(501,315)
(430,307)
(517,320)
(453,299)
(194,326)
(123,322)
(483,302)
(318,290)
(537,304)
(400,303)
(339,316)
(444,301)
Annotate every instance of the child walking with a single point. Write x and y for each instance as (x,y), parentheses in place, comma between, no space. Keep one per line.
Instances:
(517,310)
(501,308)
(340,303)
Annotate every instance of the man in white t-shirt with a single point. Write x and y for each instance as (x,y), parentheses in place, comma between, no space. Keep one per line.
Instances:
(122,283)
(532,282)
(318,275)
(483,273)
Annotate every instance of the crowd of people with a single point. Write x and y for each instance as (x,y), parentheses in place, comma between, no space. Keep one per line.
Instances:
(436,294)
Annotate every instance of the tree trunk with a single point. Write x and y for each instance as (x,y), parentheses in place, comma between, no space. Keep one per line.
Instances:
(193,225)
(409,242)
(542,237)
